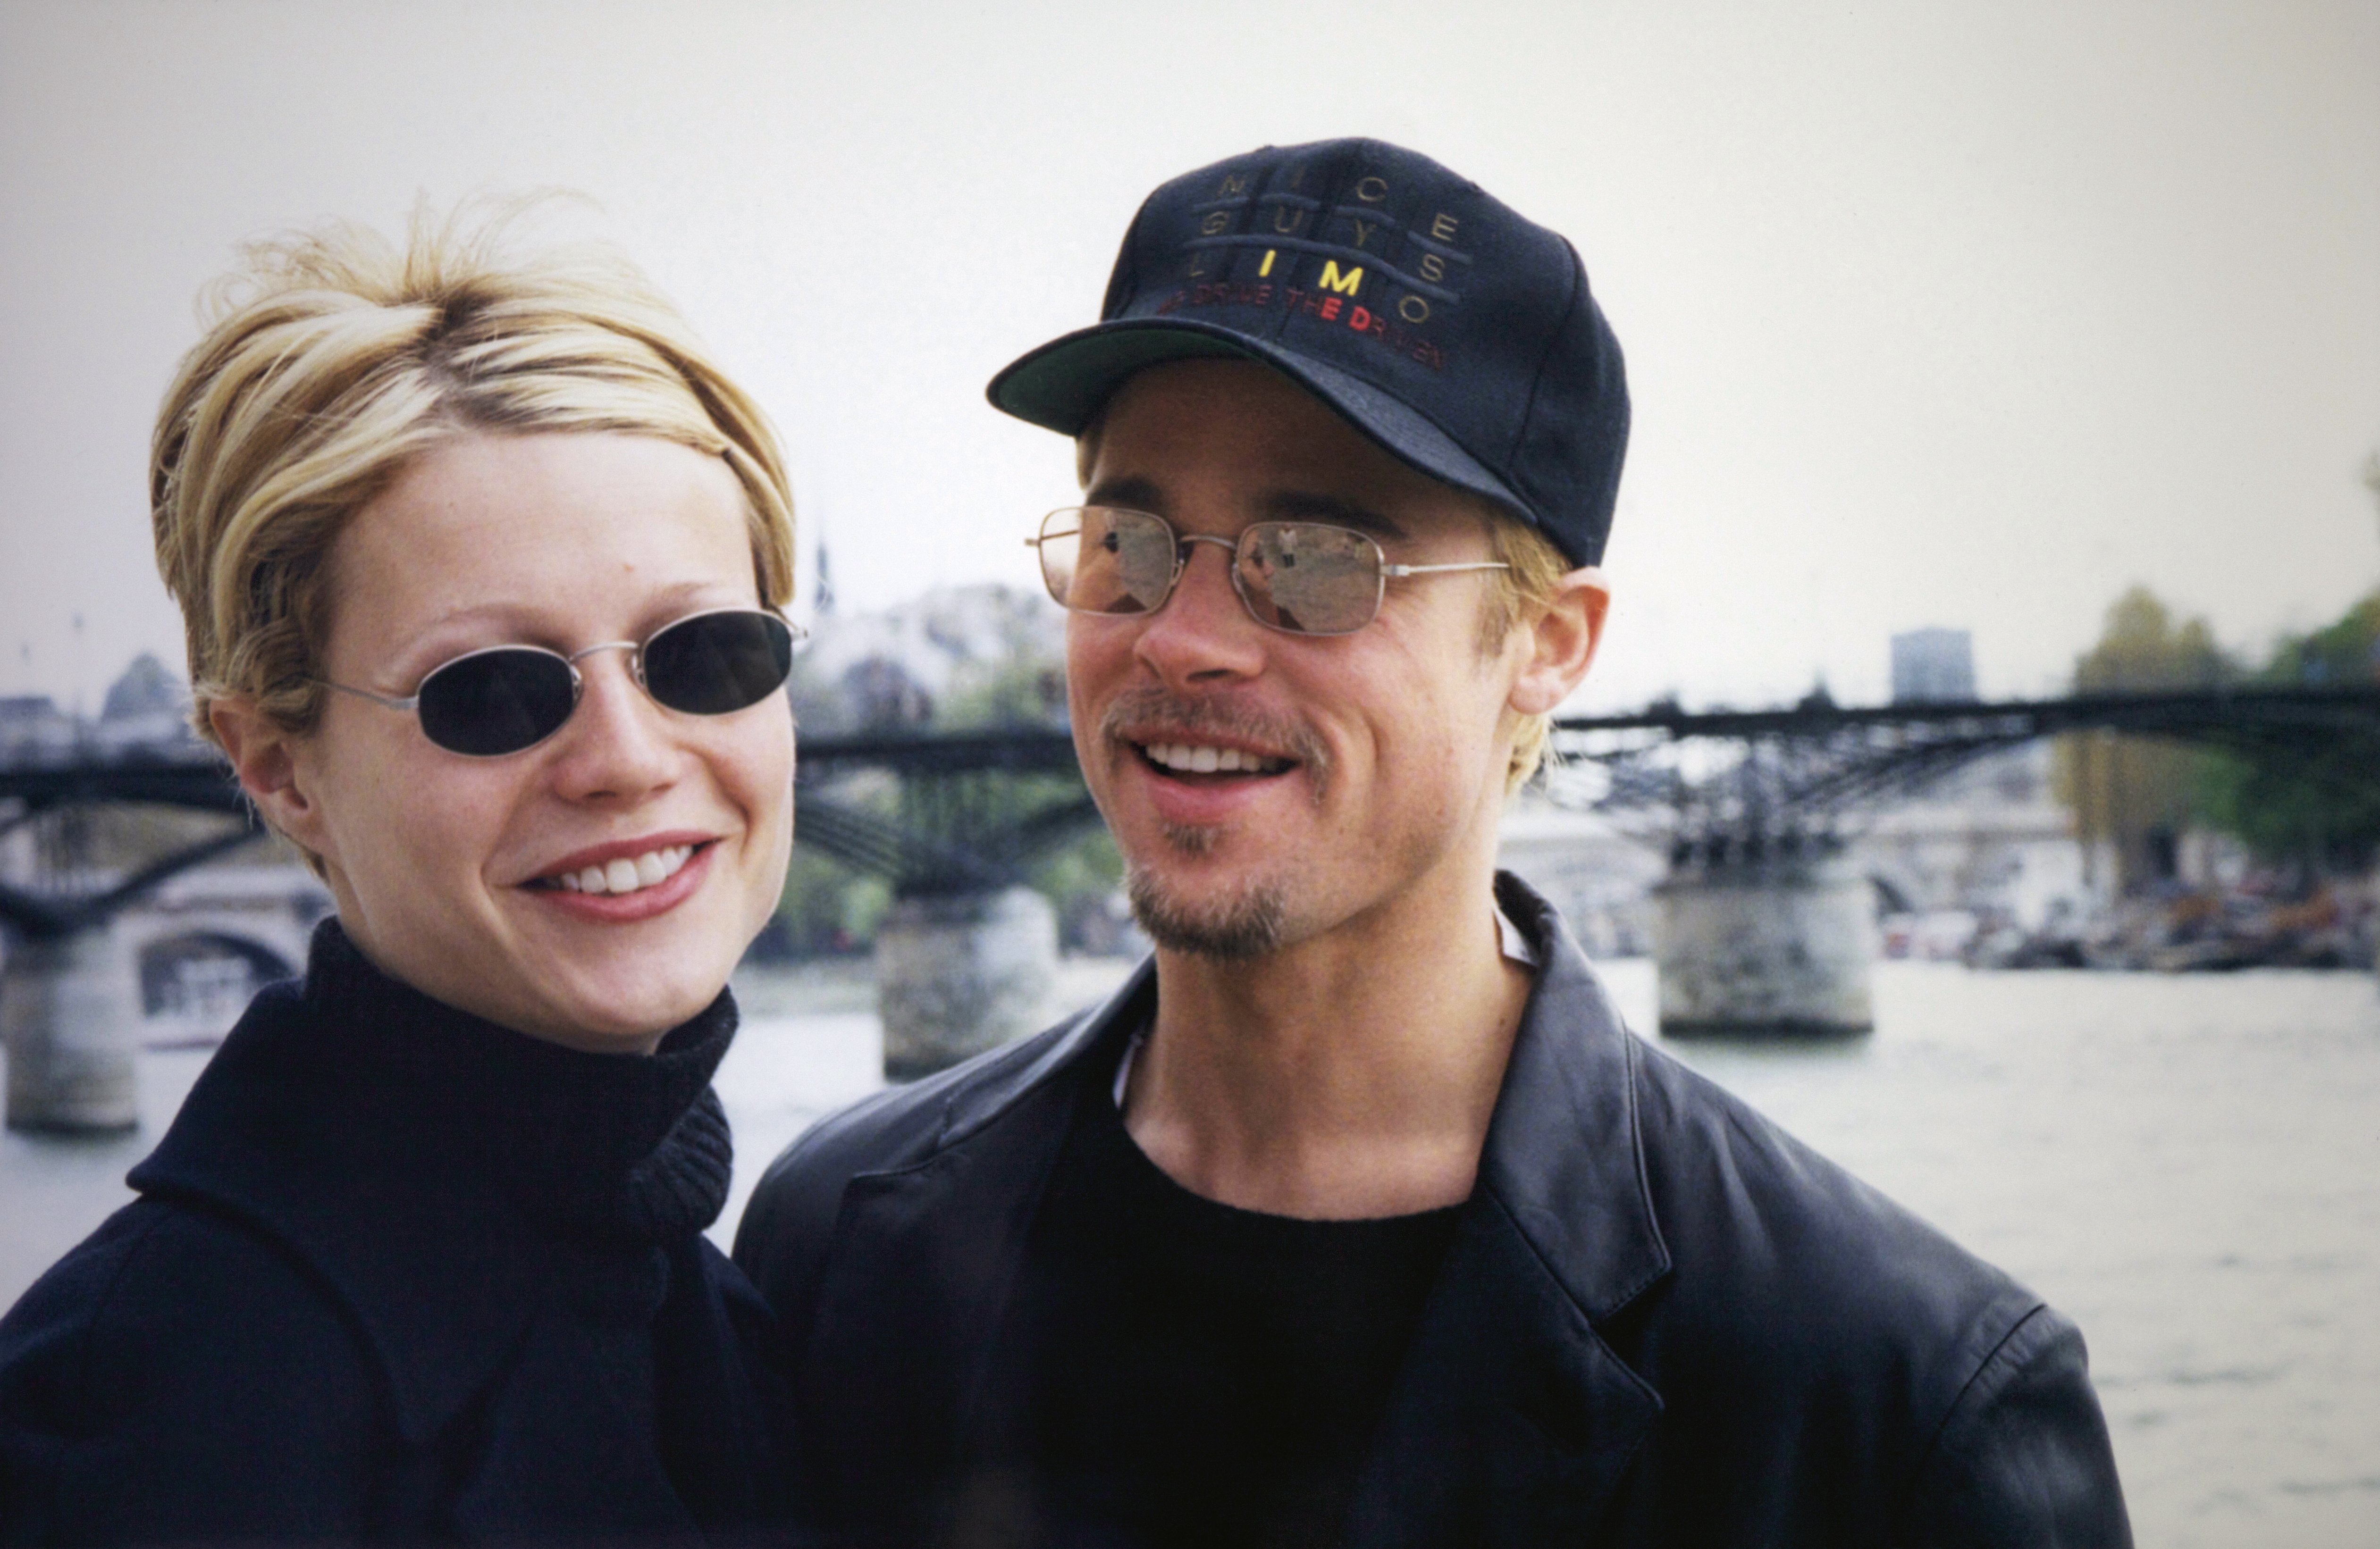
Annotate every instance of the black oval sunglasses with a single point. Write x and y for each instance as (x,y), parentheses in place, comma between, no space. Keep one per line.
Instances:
(504,699)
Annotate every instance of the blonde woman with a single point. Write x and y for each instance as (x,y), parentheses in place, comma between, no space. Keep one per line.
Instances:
(480,560)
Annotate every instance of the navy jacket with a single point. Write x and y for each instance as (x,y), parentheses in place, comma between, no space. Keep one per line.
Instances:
(399,1275)
(1662,1320)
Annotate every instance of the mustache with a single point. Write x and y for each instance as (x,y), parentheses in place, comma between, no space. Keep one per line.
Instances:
(1143,711)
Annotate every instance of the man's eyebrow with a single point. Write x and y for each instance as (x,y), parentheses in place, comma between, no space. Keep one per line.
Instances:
(1128,489)
(1292,505)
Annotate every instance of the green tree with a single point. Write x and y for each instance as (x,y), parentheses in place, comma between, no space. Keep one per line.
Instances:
(2322,814)
(2132,797)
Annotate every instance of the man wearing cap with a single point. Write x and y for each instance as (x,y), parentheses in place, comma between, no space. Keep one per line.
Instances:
(1357,1216)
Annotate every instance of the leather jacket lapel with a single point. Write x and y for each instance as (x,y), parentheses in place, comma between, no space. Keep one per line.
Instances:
(1514,1422)
(916,1282)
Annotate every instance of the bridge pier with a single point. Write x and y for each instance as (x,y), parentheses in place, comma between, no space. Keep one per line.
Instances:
(70,1012)
(960,973)
(1765,940)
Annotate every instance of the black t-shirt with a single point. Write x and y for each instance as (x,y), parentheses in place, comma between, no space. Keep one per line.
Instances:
(1196,1373)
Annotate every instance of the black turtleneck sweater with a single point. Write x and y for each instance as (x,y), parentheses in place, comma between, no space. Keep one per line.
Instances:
(397,1273)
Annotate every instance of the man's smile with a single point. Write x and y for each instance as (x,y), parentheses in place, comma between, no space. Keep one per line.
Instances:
(1189,759)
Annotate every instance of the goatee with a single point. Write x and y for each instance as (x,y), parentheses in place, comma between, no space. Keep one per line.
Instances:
(1248,925)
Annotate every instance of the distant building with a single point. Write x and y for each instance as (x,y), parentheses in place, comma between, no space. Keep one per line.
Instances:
(147,688)
(32,726)
(956,656)
(1933,665)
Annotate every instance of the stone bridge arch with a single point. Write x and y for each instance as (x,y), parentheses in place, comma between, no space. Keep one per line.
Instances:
(207,941)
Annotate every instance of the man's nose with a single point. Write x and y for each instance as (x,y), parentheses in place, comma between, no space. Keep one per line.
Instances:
(1204,633)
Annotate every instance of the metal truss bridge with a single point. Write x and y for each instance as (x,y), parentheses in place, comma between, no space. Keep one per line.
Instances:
(965,811)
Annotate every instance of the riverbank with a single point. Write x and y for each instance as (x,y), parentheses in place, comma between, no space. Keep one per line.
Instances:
(2187,1166)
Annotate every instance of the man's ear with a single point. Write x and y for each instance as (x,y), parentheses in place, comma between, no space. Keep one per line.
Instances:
(267,759)
(1561,642)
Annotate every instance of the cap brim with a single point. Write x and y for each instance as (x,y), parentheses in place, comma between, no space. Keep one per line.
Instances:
(1062,385)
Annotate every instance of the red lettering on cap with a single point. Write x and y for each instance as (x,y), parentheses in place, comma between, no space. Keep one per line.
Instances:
(1359,319)
(1331,310)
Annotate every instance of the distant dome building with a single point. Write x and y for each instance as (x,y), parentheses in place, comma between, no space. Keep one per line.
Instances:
(146,688)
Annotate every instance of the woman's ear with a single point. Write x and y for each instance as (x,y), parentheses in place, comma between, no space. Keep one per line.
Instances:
(267,758)
(1563,641)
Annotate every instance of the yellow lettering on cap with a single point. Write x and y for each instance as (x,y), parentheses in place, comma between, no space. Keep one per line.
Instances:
(1362,231)
(1296,219)
(1216,223)
(1443,227)
(1432,267)
(1343,283)
(1266,267)
(1413,309)
(1371,191)
(1233,182)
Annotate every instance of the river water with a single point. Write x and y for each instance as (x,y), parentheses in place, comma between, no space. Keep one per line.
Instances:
(2189,1167)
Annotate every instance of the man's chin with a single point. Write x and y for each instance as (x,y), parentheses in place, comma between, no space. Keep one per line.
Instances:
(1249,922)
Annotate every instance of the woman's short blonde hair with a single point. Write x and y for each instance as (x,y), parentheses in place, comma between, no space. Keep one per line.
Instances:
(334,358)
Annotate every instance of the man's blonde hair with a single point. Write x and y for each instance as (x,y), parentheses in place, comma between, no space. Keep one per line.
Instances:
(1515,597)
(332,358)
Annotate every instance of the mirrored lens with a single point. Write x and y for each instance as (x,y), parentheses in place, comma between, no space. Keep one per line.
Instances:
(1105,560)
(498,701)
(1309,579)
(714,663)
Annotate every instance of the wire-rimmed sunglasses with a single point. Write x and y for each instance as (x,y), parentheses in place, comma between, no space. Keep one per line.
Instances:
(1298,577)
(504,699)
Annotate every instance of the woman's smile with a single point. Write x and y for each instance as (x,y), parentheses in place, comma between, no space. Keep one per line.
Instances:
(636,882)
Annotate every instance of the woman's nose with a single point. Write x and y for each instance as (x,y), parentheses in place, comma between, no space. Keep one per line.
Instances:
(618,744)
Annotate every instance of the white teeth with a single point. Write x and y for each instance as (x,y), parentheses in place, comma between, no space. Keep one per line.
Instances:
(626,875)
(1209,760)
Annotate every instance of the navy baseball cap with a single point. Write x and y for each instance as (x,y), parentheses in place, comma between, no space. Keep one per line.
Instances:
(1435,320)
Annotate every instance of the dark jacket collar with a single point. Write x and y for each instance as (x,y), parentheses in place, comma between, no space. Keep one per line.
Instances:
(1513,1420)
(1563,1156)
(441,1174)
(1565,1150)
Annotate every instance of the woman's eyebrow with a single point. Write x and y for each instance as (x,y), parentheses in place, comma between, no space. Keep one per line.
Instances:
(531,624)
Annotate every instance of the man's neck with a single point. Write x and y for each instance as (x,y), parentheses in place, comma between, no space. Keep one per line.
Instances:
(1349,1076)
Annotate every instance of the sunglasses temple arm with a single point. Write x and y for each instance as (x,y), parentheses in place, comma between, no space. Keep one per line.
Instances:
(393,703)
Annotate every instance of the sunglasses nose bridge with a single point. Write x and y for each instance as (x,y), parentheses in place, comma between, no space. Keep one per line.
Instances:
(635,649)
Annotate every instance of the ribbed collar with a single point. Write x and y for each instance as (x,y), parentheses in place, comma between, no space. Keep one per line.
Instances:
(446,1175)
(616,1145)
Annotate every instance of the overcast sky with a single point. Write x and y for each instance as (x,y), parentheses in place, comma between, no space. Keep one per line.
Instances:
(1955,314)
